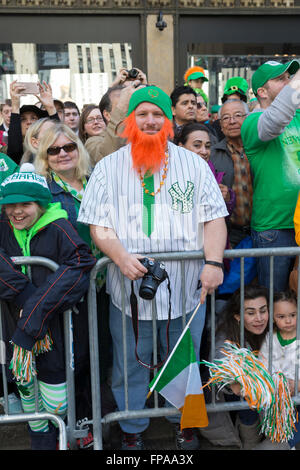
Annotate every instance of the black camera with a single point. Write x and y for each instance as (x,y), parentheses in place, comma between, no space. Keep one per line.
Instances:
(156,275)
(133,73)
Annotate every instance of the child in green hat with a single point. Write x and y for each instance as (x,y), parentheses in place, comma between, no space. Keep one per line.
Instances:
(31,225)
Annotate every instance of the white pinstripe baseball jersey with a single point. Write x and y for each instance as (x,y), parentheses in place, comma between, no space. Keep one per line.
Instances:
(190,196)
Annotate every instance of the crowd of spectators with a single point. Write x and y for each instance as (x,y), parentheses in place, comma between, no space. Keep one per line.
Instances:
(252,148)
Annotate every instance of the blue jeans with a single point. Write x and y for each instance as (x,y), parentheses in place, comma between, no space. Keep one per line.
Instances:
(139,376)
(282,264)
(296,438)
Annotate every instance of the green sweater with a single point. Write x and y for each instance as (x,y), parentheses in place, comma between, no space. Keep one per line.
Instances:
(275,166)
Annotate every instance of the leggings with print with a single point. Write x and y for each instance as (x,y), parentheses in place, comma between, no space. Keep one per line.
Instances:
(52,398)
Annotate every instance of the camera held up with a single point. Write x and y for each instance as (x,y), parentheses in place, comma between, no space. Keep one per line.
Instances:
(132,74)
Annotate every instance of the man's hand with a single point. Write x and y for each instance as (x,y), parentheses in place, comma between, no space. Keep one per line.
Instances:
(126,94)
(215,234)
(131,267)
(295,80)
(108,242)
(211,277)
(122,78)
(225,192)
(141,77)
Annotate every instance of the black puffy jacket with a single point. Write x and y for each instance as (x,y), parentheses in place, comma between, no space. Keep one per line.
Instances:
(48,294)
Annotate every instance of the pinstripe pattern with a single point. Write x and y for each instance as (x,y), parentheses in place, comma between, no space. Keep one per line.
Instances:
(114,198)
(52,398)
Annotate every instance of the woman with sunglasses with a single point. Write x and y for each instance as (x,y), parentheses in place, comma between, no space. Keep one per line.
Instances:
(91,122)
(65,162)
(62,158)
(202,116)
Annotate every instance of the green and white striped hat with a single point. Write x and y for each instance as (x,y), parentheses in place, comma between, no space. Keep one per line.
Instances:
(25,187)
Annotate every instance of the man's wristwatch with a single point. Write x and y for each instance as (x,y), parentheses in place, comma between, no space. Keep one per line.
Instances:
(215,263)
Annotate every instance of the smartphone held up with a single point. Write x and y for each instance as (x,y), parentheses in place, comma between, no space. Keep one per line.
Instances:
(29,88)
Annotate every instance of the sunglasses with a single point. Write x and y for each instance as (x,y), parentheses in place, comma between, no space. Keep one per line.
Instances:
(68,148)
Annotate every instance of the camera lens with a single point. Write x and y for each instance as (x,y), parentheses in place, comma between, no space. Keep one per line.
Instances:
(133,73)
(151,280)
(147,293)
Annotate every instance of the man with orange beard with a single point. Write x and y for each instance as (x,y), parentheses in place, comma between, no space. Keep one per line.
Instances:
(149,197)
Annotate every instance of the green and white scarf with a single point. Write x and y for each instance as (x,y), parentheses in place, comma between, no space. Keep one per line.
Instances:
(78,195)
(68,188)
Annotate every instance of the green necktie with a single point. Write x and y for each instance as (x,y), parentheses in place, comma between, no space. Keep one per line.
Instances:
(148,202)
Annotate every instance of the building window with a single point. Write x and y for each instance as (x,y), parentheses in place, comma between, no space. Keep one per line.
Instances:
(80,60)
(123,56)
(88,60)
(112,60)
(100,57)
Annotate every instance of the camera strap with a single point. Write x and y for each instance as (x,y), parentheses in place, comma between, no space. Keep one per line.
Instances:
(135,324)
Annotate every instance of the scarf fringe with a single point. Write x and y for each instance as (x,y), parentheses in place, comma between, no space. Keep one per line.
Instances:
(22,363)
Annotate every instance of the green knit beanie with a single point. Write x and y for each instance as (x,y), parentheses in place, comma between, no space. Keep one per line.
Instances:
(25,187)
(151,94)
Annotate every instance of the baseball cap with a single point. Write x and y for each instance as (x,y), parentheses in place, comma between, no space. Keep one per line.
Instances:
(270,70)
(193,73)
(196,75)
(25,187)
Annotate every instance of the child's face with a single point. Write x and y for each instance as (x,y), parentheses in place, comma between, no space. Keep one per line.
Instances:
(285,317)
(23,215)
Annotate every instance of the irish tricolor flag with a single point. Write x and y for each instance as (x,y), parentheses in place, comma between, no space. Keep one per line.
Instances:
(179,382)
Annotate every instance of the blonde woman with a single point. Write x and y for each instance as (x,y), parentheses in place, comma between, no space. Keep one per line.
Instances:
(33,137)
(64,161)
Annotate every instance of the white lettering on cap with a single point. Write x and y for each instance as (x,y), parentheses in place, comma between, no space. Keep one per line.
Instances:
(25,177)
(273,62)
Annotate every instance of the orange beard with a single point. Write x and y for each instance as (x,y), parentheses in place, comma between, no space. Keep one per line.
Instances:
(148,151)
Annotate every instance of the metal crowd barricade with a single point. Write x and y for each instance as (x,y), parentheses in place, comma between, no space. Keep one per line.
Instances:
(67,434)
(157,411)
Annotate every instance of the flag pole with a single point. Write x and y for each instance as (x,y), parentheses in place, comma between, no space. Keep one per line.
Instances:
(178,341)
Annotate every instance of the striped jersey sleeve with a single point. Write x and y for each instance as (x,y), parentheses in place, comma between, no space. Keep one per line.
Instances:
(95,207)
